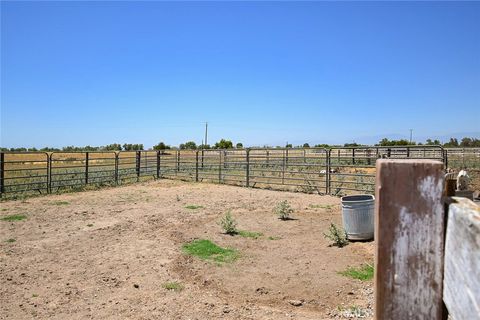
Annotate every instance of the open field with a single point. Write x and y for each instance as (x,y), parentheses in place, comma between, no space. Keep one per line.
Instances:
(117,253)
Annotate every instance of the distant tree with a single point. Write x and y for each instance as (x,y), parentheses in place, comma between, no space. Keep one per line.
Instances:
(306,145)
(353,144)
(161,146)
(132,147)
(402,142)
(430,142)
(288,145)
(452,143)
(204,146)
(113,147)
(188,145)
(322,145)
(239,145)
(223,144)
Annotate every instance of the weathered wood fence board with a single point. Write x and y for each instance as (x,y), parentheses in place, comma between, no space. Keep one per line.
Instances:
(461,291)
(409,231)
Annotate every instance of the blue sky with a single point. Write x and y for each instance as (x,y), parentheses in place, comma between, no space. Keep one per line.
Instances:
(259,72)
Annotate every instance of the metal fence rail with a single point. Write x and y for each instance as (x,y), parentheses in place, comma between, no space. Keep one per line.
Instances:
(325,171)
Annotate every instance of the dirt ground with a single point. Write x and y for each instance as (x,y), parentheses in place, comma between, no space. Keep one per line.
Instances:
(107,254)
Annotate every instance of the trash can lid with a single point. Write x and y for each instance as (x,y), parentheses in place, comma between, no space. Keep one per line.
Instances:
(358,197)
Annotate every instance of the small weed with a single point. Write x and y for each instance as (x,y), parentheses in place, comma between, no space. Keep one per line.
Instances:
(274,238)
(60,203)
(90,225)
(10,240)
(322,206)
(207,250)
(228,224)
(4,209)
(337,235)
(34,295)
(173,286)
(249,234)
(363,273)
(283,210)
(14,217)
(193,207)
(178,198)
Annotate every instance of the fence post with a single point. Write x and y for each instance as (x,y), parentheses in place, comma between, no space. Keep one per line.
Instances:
(327,174)
(247,169)
(49,173)
(2,174)
(137,164)
(220,166)
(353,156)
(408,152)
(202,157)
(116,167)
(409,232)
(196,166)
(158,164)
(86,168)
(178,160)
(285,158)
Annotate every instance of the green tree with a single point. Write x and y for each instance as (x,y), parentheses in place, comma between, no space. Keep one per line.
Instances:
(188,145)
(239,145)
(306,145)
(223,144)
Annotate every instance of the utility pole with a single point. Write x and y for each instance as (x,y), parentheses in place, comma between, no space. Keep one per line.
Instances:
(411,131)
(206,133)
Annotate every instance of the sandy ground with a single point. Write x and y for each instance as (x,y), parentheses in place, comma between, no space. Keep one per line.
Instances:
(106,254)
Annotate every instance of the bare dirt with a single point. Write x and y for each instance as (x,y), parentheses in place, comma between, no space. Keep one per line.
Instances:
(107,254)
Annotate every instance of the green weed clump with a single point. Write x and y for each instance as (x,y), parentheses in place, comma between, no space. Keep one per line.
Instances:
(228,224)
(207,250)
(14,217)
(193,207)
(249,234)
(363,273)
(283,210)
(173,286)
(337,235)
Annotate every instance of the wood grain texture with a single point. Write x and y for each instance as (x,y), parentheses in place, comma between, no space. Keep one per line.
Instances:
(409,232)
(461,282)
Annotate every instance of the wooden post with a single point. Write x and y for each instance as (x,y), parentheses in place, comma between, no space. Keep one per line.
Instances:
(353,156)
(409,232)
(461,291)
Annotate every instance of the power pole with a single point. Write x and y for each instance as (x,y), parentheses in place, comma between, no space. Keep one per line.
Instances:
(206,133)
(411,131)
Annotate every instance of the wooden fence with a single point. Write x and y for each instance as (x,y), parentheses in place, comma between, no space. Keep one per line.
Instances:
(427,262)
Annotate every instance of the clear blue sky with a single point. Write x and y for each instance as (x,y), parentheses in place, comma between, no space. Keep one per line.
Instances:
(260,73)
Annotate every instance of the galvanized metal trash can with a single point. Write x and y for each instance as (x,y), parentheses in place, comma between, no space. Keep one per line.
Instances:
(358,216)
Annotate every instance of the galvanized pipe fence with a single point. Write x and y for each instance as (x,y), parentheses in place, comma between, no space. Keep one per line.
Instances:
(335,171)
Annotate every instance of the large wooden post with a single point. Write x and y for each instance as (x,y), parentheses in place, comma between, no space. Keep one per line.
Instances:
(409,232)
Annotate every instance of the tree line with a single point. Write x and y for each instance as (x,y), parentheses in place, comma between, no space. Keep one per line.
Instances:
(465,142)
